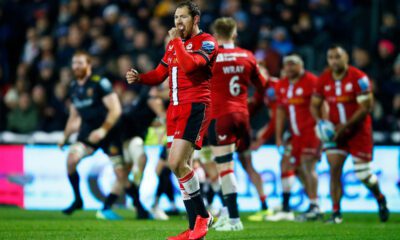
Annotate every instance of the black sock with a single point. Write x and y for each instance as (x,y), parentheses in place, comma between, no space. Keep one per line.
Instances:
(264,205)
(374,188)
(286,198)
(110,200)
(190,212)
(133,192)
(74,180)
(198,203)
(210,196)
(231,203)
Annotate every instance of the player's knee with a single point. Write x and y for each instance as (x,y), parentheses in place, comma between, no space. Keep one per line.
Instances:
(364,173)
(175,166)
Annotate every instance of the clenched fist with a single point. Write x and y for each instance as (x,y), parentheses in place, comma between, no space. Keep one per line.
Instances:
(132,76)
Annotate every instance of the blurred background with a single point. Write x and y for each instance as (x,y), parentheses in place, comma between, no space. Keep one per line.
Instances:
(38,38)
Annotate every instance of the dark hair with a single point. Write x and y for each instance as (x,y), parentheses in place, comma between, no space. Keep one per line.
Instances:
(194,9)
(336,45)
(84,53)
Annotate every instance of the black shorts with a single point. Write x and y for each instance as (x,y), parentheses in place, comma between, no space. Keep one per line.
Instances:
(111,144)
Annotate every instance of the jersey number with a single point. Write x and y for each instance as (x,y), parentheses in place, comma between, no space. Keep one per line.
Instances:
(175,85)
(234,86)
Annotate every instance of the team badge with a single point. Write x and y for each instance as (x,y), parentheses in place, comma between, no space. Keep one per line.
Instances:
(348,87)
(90,92)
(299,91)
(189,46)
(327,88)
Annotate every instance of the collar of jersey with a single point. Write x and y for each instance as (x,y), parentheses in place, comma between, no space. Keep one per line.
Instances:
(228,45)
(201,32)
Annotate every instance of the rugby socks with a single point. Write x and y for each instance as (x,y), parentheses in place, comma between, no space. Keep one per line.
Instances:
(287,183)
(189,206)
(263,200)
(133,192)
(229,190)
(110,200)
(191,185)
(74,180)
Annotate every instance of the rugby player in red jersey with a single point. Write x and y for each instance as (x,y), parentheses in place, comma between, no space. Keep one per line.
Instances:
(294,93)
(347,90)
(188,62)
(234,70)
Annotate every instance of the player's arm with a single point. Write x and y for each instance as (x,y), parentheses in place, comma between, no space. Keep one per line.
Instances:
(279,125)
(114,111)
(266,132)
(187,61)
(73,124)
(153,77)
(365,103)
(316,107)
(255,103)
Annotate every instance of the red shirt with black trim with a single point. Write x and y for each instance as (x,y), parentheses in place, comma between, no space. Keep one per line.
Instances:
(193,86)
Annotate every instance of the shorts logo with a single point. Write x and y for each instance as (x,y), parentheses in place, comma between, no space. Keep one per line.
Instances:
(222,137)
(170,47)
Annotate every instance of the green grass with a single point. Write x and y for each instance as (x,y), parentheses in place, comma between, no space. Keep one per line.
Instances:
(21,224)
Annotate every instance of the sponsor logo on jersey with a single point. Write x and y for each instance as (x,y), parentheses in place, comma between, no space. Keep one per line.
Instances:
(363,83)
(89,92)
(230,57)
(222,137)
(208,46)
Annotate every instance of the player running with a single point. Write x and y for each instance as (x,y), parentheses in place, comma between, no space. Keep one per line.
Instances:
(347,91)
(235,69)
(188,61)
(94,112)
(294,93)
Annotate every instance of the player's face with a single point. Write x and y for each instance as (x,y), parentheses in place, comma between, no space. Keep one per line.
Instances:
(337,59)
(80,66)
(292,70)
(184,21)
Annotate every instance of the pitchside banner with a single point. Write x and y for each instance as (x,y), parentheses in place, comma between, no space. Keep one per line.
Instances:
(35,177)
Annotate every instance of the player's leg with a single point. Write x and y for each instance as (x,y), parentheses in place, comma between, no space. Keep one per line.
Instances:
(364,173)
(225,165)
(288,176)
(163,173)
(186,126)
(308,167)
(77,151)
(255,177)
(336,159)
(134,150)
(180,162)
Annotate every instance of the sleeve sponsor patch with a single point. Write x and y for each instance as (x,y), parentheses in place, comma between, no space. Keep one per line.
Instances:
(106,85)
(208,46)
(363,83)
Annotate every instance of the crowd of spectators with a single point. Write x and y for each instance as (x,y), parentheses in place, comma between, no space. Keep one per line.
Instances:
(38,38)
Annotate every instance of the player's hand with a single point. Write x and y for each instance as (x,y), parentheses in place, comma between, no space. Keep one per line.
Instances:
(97,135)
(175,32)
(255,145)
(132,76)
(340,129)
(62,142)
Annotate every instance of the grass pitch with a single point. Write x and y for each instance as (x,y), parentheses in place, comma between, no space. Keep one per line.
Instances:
(21,224)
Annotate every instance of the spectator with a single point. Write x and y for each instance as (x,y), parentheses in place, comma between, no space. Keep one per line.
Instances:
(24,118)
